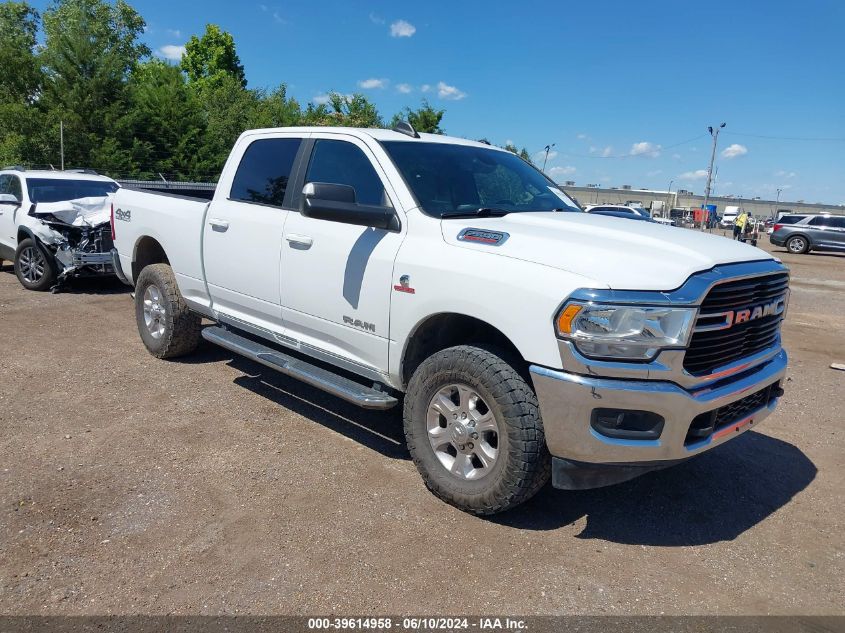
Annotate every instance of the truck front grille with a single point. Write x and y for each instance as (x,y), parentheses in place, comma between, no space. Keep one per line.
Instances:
(710,349)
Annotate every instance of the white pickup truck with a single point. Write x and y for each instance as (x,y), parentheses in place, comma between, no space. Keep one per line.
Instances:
(527,339)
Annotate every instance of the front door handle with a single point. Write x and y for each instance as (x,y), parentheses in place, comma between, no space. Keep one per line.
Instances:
(219,225)
(299,240)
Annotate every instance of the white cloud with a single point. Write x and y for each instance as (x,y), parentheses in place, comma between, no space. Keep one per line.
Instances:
(174,32)
(376,19)
(644,148)
(698,174)
(582,137)
(172,52)
(557,172)
(732,151)
(676,156)
(321,99)
(372,83)
(425,88)
(445,91)
(509,142)
(542,154)
(656,172)
(604,152)
(404,88)
(278,18)
(785,174)
(402,28)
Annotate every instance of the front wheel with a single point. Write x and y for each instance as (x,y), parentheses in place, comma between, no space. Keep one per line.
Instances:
(34,267)
(166,324)
(797,245)
(473,428)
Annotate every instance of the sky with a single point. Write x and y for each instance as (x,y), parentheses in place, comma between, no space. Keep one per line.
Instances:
(624,90)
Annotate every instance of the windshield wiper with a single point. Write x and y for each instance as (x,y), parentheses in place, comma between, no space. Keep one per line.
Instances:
(483,212)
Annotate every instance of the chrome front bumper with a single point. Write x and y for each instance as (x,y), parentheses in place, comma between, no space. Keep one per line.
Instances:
(567,401)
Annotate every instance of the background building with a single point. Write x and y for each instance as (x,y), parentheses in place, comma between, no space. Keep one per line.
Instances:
(684,199)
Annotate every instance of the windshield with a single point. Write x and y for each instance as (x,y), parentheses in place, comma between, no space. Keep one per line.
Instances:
(448,179)
(59,190)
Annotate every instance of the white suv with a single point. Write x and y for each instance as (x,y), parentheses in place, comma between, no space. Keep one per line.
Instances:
(55,224)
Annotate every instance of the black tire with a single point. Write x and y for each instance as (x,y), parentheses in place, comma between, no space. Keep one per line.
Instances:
(30,257)
(523,463)
(174,330)
(798,244)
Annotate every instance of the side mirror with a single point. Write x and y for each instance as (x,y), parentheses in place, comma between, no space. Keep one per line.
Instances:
(9,198)
(336,203)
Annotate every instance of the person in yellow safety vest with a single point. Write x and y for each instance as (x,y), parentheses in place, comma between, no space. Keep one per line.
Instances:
(739,224)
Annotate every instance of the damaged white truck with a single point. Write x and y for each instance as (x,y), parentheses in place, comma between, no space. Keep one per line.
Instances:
(54,225)
(527,340)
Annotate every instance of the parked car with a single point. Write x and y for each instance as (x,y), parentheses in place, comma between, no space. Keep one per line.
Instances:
(618,209)
(55,225)
(527,339)
(805,233)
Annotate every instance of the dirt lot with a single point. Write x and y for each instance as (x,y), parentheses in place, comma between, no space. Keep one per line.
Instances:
(132,485)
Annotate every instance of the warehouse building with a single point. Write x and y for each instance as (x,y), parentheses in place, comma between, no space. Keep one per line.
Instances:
(593,194)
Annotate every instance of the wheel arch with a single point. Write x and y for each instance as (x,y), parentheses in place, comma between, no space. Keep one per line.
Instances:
(440,331)
(800,234)
(147,251)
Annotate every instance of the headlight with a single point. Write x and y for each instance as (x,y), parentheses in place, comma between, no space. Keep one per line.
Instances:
(624,332)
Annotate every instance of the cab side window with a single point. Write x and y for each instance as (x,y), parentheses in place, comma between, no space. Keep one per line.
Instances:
(15,187)
(821,221)
(342,163)
(263,174)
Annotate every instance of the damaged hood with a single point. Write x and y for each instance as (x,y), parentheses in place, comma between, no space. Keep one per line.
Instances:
(622,253)
(80,212)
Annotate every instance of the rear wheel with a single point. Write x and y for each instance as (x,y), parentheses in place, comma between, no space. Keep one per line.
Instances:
(166,324)
(797,244)
(473,428)
(34,267)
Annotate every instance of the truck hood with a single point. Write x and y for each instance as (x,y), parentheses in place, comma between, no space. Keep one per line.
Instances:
(624,254)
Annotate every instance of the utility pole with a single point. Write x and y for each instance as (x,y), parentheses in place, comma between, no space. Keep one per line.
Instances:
(548,148)
(715,135)
(777,204)
(62,142)
(668,201)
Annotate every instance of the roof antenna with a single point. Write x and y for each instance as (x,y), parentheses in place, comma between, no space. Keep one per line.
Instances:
(403,127)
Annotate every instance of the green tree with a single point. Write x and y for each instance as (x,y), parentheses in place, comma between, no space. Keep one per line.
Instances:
(20,74)
(346,110)
(212,56)
(21,121)
(165,122)
(91,47)
(423,119)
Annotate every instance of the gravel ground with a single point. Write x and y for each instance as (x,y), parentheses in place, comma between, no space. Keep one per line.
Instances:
(213,486)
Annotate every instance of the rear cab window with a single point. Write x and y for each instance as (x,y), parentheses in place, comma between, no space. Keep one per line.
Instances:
(264,171)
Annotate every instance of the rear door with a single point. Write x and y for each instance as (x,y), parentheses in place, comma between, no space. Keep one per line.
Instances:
(822,232)
(336,277)
(242,235)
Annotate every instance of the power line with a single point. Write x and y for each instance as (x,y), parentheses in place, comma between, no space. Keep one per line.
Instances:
(630,155)
(789,138)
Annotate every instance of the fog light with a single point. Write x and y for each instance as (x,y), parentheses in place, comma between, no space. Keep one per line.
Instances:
(627,424)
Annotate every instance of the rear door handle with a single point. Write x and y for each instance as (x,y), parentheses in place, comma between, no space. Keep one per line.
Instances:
(301,240)
(219,225)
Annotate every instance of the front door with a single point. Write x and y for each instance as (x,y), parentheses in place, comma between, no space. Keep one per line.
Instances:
(242,236)
(336,278)
(8,212)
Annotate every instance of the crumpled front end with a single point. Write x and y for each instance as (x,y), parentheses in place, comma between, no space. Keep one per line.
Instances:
(77,233)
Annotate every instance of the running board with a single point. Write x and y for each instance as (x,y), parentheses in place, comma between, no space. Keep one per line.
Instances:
(328,381)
